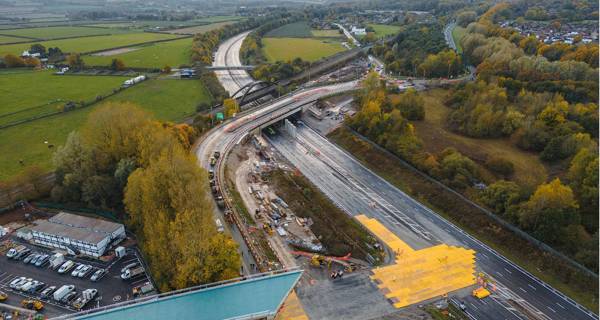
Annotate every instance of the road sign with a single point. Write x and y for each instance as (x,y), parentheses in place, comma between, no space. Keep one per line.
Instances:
(220,116)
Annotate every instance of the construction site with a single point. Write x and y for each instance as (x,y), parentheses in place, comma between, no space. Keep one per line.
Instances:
(355,267)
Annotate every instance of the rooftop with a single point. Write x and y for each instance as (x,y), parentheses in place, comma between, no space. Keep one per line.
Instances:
(77,227)
(78,221)
(259,295)
(67,231)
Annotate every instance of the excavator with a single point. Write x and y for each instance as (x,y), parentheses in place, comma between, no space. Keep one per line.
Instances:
(3,296)
(32,304)
(318,260)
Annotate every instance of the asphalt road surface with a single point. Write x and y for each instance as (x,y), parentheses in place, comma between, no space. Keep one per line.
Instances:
(357,190)
(228,54)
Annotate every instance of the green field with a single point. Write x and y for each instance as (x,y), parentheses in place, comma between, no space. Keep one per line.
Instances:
(164,24)
(293,30)
(88,44)
(156,55)
(165,99)
(202,28)
(384,30)
(48,33)
(457,33)
(333,33)
(7,39)
(284,49)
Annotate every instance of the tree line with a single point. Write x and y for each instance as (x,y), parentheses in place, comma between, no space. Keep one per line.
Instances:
(122,159)
(420,50)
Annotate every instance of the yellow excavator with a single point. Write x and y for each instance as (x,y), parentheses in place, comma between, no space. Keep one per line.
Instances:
(32,304)
(3,296)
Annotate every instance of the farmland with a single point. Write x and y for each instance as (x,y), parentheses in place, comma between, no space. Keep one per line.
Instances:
(384,30)
(299,40)
(283,49)
(296,30)
(156,55)
(8,39)
(166,99)
(87,44)
(49,33)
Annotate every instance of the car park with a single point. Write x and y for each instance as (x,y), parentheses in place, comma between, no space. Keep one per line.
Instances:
(70,296)
(23,283)
(96,276)
(129,266)
(13,252)
(35,259)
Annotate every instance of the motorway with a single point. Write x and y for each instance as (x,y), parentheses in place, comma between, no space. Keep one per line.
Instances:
(228,55)
(356,189)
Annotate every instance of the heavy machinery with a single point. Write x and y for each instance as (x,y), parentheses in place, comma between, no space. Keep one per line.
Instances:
(3,296)
(32,304)
(481,293)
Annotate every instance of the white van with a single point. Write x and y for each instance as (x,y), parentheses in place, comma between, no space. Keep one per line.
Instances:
(220,227)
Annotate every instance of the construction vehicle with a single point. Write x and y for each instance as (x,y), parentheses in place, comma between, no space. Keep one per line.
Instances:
(481,293)
(143,289)
(268,229)
(3,296)
(32,304)
(86,296)
(132,273)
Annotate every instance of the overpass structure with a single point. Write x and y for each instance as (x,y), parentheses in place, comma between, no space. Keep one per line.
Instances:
(228,67)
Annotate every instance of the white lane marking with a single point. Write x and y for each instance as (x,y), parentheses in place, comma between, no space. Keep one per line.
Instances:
(474,307)
(532,287)
(551,309)
(560,305)
(500,274)
(508,271)
(522,289)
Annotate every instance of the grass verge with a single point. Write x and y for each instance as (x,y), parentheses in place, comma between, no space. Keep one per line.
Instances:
(338,232)
(555,272)
(309,49)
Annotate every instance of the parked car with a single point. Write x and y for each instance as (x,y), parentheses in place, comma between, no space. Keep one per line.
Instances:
(65,267)
(29,258)
(84,271)
(36,287)
(12,252)
(42,260)
(26,285)
(47,292)
(22,254)
(70,296)
(98,274)
(13,284)
(75,271)
(129,266)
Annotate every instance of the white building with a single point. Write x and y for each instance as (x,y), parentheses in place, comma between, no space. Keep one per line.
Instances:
(358,31)
(77,234)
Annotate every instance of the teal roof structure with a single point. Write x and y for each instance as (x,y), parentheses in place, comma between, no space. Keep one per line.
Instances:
(259,296)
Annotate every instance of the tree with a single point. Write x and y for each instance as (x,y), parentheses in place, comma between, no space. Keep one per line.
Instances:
(411,105)
(117,65)
(583,178)
(12,61)
(75,61)
(549,211)
(500,195)
(37,48)
(54,52)
(74,163)
(529,45)
(464,18)
(230,107)
(166,69)
(171,212)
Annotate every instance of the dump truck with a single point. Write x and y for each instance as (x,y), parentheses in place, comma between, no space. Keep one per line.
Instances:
(132,273)
(32,304)
(481,293)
